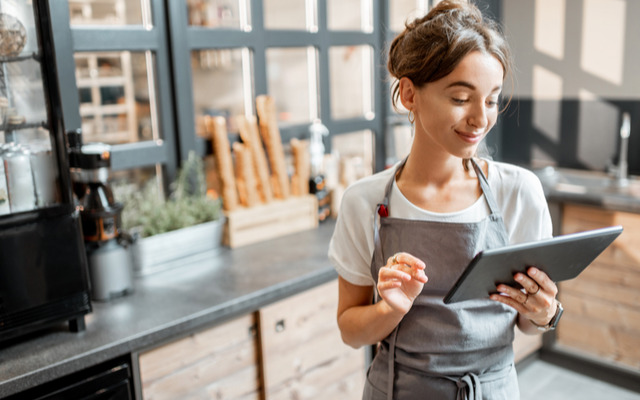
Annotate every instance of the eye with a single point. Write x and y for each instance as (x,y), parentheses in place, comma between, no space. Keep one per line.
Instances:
(458,101)
(492,102)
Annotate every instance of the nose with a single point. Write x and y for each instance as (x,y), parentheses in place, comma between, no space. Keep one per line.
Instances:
(478,116)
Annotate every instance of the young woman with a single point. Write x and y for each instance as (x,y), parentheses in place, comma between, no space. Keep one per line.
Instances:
(405,234)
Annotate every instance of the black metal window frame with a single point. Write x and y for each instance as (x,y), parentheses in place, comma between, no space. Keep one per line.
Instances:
(186,38)
(71,39)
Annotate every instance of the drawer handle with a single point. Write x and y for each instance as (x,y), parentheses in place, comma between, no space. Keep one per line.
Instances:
(280,325)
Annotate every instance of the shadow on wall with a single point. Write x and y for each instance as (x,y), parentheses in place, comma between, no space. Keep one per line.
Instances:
(580,134)
(576,75)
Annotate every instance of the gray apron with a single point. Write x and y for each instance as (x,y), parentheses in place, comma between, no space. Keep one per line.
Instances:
(439,351)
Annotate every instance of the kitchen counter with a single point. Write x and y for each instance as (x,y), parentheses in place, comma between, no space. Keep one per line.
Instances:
(172,304)
(590,188)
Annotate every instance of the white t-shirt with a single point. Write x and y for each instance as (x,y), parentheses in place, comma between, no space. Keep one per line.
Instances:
(517,191)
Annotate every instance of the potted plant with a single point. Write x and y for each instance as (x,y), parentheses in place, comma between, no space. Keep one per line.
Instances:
(184,228)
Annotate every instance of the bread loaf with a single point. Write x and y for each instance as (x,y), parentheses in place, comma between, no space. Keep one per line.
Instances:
(266,108)
(251,137)
(245,176)
(302,165)
(217,128)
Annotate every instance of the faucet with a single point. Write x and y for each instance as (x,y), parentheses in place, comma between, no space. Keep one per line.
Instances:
(620,172)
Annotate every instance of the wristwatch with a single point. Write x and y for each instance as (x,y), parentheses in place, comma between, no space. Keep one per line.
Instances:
(554,320)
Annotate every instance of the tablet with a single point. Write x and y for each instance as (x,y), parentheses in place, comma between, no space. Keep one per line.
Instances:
(562,258)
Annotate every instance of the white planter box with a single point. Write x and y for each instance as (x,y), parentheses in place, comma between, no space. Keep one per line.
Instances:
(177,248)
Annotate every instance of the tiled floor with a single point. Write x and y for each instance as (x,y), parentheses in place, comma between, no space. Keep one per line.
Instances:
(543,381)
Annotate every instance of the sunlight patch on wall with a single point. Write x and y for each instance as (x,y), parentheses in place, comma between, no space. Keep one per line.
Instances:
(603,28)
(597,124)
(549,27)
(547,102)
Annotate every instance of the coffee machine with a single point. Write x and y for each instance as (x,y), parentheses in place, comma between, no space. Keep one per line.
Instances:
(108,249)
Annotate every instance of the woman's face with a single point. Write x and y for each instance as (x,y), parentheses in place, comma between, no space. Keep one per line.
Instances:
(456,112)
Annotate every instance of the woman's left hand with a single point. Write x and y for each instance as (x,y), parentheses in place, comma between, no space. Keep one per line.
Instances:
(536,301)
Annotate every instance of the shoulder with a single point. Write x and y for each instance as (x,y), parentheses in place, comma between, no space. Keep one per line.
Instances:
(522,201)
(511,180)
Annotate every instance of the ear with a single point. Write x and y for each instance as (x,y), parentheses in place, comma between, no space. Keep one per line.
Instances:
(407,93)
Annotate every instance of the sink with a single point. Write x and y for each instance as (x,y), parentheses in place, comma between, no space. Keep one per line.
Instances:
(590,185)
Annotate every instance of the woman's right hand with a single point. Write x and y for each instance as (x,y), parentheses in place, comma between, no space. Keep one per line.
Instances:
(401,280)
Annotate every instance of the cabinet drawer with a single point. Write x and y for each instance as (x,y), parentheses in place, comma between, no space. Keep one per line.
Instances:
(303,355)
(221,362)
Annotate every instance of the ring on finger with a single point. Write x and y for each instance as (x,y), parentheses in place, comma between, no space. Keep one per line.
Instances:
(534,293)
(394,260)
(525,299)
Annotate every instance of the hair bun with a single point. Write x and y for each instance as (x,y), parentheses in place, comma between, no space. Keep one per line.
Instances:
(457,9)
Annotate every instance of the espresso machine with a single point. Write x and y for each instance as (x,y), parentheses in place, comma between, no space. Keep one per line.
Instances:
(108,249)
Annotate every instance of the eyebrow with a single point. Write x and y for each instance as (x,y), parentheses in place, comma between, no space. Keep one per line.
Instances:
(470,86)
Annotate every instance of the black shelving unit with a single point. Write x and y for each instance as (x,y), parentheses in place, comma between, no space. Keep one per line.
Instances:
(43,266)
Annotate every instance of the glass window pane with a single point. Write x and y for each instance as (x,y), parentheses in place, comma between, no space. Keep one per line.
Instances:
(355,152)
(292,81)
(290,14)
(401,11)
(351,76)
(117,100)
(109,12)
(232,14)
(222,84)
(350,15)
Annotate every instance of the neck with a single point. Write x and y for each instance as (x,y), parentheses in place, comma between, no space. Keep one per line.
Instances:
(433,168)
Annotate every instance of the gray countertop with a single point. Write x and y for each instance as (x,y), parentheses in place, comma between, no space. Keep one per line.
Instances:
(590,188)
(171,304)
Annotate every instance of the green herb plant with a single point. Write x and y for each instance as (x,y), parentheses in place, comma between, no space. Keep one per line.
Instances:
(147,213)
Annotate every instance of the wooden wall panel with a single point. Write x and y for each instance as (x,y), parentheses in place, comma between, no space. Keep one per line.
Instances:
(602,305)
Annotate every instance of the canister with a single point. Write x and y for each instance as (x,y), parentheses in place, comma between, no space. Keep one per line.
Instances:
(45,177)
(17,168)
(5,208)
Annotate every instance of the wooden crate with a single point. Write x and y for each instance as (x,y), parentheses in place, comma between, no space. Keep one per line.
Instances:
(268,221)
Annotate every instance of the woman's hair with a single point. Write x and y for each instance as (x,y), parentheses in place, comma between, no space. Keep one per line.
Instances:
(432,46)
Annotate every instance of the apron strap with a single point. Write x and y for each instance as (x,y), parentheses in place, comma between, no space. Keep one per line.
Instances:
(383,210)
(484,184)
(392,363)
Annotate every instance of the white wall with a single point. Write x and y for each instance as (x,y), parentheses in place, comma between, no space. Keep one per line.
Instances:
(579,49)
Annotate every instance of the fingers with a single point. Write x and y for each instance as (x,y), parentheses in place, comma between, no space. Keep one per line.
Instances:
(536,297)
(408,266)
(406,258)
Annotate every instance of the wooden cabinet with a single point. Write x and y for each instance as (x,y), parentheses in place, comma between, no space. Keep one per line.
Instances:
(288,350)
(303,356)
(218,363)
(602,305)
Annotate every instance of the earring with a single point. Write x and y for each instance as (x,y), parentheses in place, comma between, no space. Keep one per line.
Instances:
(412,117)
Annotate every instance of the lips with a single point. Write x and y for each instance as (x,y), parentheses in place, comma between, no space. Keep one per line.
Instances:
(470,137)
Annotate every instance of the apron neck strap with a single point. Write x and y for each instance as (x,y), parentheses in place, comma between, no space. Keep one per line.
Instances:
(484,184)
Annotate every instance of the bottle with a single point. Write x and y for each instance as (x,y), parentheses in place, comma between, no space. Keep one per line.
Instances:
(317,184)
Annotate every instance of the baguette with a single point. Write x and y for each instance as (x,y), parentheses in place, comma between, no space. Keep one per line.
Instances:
(266,108)
(245,176)
(217,128)
(251,137)
(301,162)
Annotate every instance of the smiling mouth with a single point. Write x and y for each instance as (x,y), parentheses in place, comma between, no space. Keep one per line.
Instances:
(469,137)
